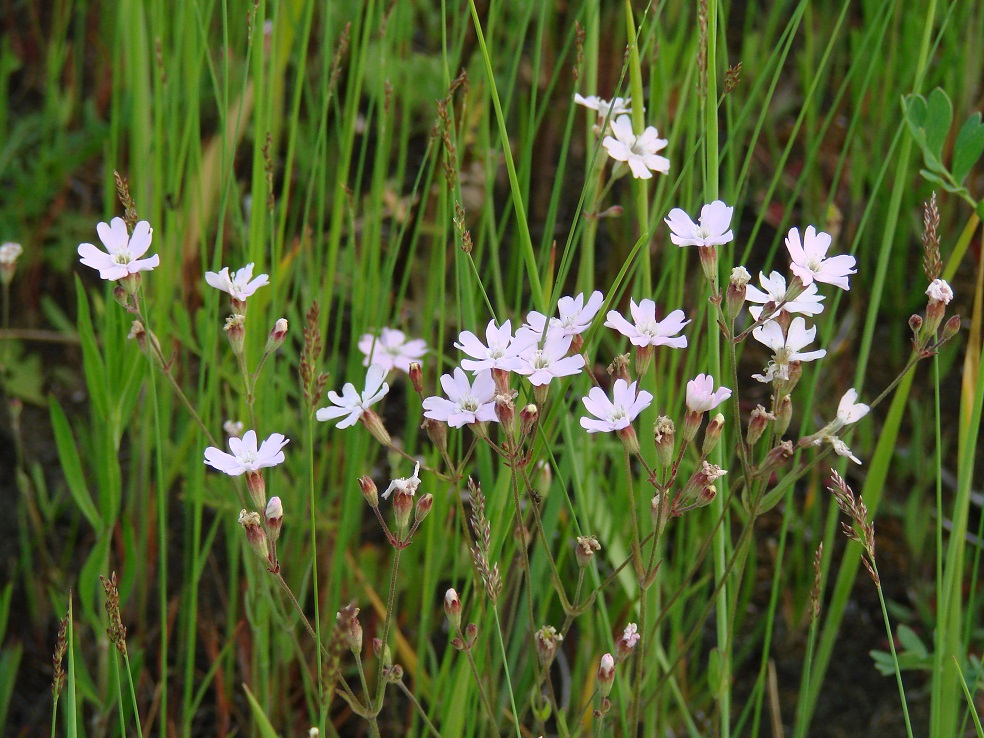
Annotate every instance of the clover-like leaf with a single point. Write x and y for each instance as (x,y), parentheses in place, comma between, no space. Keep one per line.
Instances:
(968,147)
(939,116)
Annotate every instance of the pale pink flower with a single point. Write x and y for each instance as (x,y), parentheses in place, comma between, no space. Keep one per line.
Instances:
(575,317)
(616,414)
(9,253)
(245,457)
(701,395)
(939,291)
(639,152)
(353,404)
(714,228)
(809,302)
(467,402)
(502,351)
(810,262)
(239,286)
(544,364)
(124,250)
(646,330)
(391,349)
(786,348)
(618,106)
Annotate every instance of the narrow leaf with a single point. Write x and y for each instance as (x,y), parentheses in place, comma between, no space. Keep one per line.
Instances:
(263,723)
(71,464)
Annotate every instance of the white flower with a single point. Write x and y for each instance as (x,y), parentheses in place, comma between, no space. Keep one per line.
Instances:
(352,404)
(850,410)
(502,351)
(10,252)
(701,395)
(639,152)
(274,508)
(391,349)
(245,457)
(810,262)
(124,251)
(575,316)
(774,286)
(466,403)
(543,364)
(239,286)
(938,291)
(714,228)
(647,331)
(233,428)
(841,448)
(616,414)
(618,106)
(786,348)
(406,485)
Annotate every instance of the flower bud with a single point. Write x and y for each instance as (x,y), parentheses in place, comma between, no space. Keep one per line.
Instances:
(659,510)
(369,491)
(619,368)
(257,489)
(664,434)
(382,652)
(757,425)
(784,416)
(452,608)
(437,432)
(712,433)
(585,550)
(235,329)
(253,527)
(393,674)
(915,325)
(706,496)
(471,633)
(277,336)
(374,424)
(528,417)
(424,505)
(417,377)
(505,411)
(274,518)
(353,634)
(691,423)
(950,328)
(606,674)
(9,253)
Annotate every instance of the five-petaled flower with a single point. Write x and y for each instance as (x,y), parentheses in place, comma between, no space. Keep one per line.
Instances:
(786,348)
(808,302)
(617,413)
(352,404)
(809,260)
(240,285)
(639,152)
(714,228)
(466,403)
(124,250)
(646,330)
(502,351)
(575,316)
(701,395)
(391,349)
(245,457)
(542,364)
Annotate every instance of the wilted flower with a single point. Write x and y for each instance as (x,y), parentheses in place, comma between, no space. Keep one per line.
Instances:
(647,331)
(245,457)
(810,262)
(391,349)
(124,250)
(809,302)
(639,152)
(938,291)
(618,106)
(404,485)
(467,402)
(614,415)
(239,286)
(714,228)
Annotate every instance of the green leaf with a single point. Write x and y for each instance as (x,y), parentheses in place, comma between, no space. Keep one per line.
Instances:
(68,455)
(92,363)
(939,116)
(911,642)
(915,118)
(262,721)
(10,660)
(968,147)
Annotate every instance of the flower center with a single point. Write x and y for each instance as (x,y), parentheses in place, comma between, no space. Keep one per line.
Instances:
(618,412)
(540,360)
(468,403)
(121,257)
(648,327)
